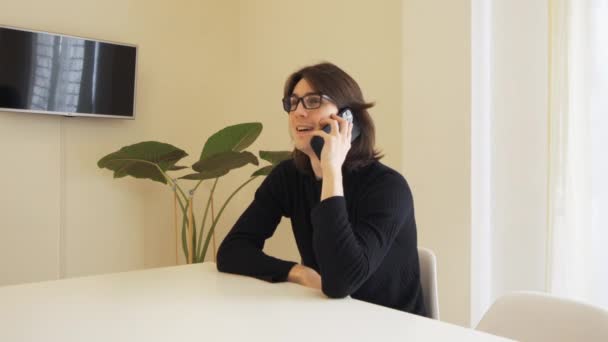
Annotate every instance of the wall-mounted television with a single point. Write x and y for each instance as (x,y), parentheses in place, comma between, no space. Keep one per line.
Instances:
(48,73)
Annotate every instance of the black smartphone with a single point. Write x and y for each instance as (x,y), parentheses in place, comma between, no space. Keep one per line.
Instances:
(317,142)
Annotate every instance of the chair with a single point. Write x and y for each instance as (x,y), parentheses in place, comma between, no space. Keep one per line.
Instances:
(530,316)
(428,281)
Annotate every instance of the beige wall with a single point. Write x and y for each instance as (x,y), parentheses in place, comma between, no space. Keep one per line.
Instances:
(206,64)
(436,133)
(29,200)
(61,215)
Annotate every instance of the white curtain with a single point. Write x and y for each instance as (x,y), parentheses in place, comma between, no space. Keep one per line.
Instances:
(577,257)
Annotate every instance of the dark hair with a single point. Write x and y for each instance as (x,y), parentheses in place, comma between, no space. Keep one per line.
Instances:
(345,92)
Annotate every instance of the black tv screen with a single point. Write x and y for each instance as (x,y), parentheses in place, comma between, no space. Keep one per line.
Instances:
(59,74)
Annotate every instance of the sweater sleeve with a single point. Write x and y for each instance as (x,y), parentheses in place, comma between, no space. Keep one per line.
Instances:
(348,254)
(241,251)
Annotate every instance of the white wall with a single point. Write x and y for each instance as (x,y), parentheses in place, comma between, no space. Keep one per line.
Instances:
(519,125)
(436,146)
(509,243)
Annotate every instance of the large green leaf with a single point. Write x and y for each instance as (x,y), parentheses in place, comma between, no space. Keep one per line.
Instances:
(263,171)
(206,175)
(143,160)
(232,138)
(222,163)
(275,157)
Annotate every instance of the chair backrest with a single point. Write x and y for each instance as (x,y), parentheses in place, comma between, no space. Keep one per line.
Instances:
(428,281)
(533,316)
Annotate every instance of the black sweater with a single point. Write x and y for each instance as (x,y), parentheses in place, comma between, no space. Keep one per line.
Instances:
(363,244)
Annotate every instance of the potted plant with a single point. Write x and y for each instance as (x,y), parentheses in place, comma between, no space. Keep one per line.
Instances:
(223,151)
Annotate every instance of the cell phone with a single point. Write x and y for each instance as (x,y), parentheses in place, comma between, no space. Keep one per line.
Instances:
(317,142)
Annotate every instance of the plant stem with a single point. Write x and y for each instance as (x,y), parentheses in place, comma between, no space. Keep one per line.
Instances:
(196,186)
(180,199)
(175,185)
(184,238)
(193,236)
(211,230)
(200,237)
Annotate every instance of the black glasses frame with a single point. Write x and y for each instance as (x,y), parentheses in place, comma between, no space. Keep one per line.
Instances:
(287,106)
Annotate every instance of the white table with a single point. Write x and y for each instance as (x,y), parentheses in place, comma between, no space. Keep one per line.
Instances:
(197,303)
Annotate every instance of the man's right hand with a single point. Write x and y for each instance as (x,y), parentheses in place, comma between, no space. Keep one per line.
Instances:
(305,276)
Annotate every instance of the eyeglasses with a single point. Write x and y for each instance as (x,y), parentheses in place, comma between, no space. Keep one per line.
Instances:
(309,101)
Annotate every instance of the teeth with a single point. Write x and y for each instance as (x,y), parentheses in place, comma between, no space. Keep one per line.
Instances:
(302,129)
